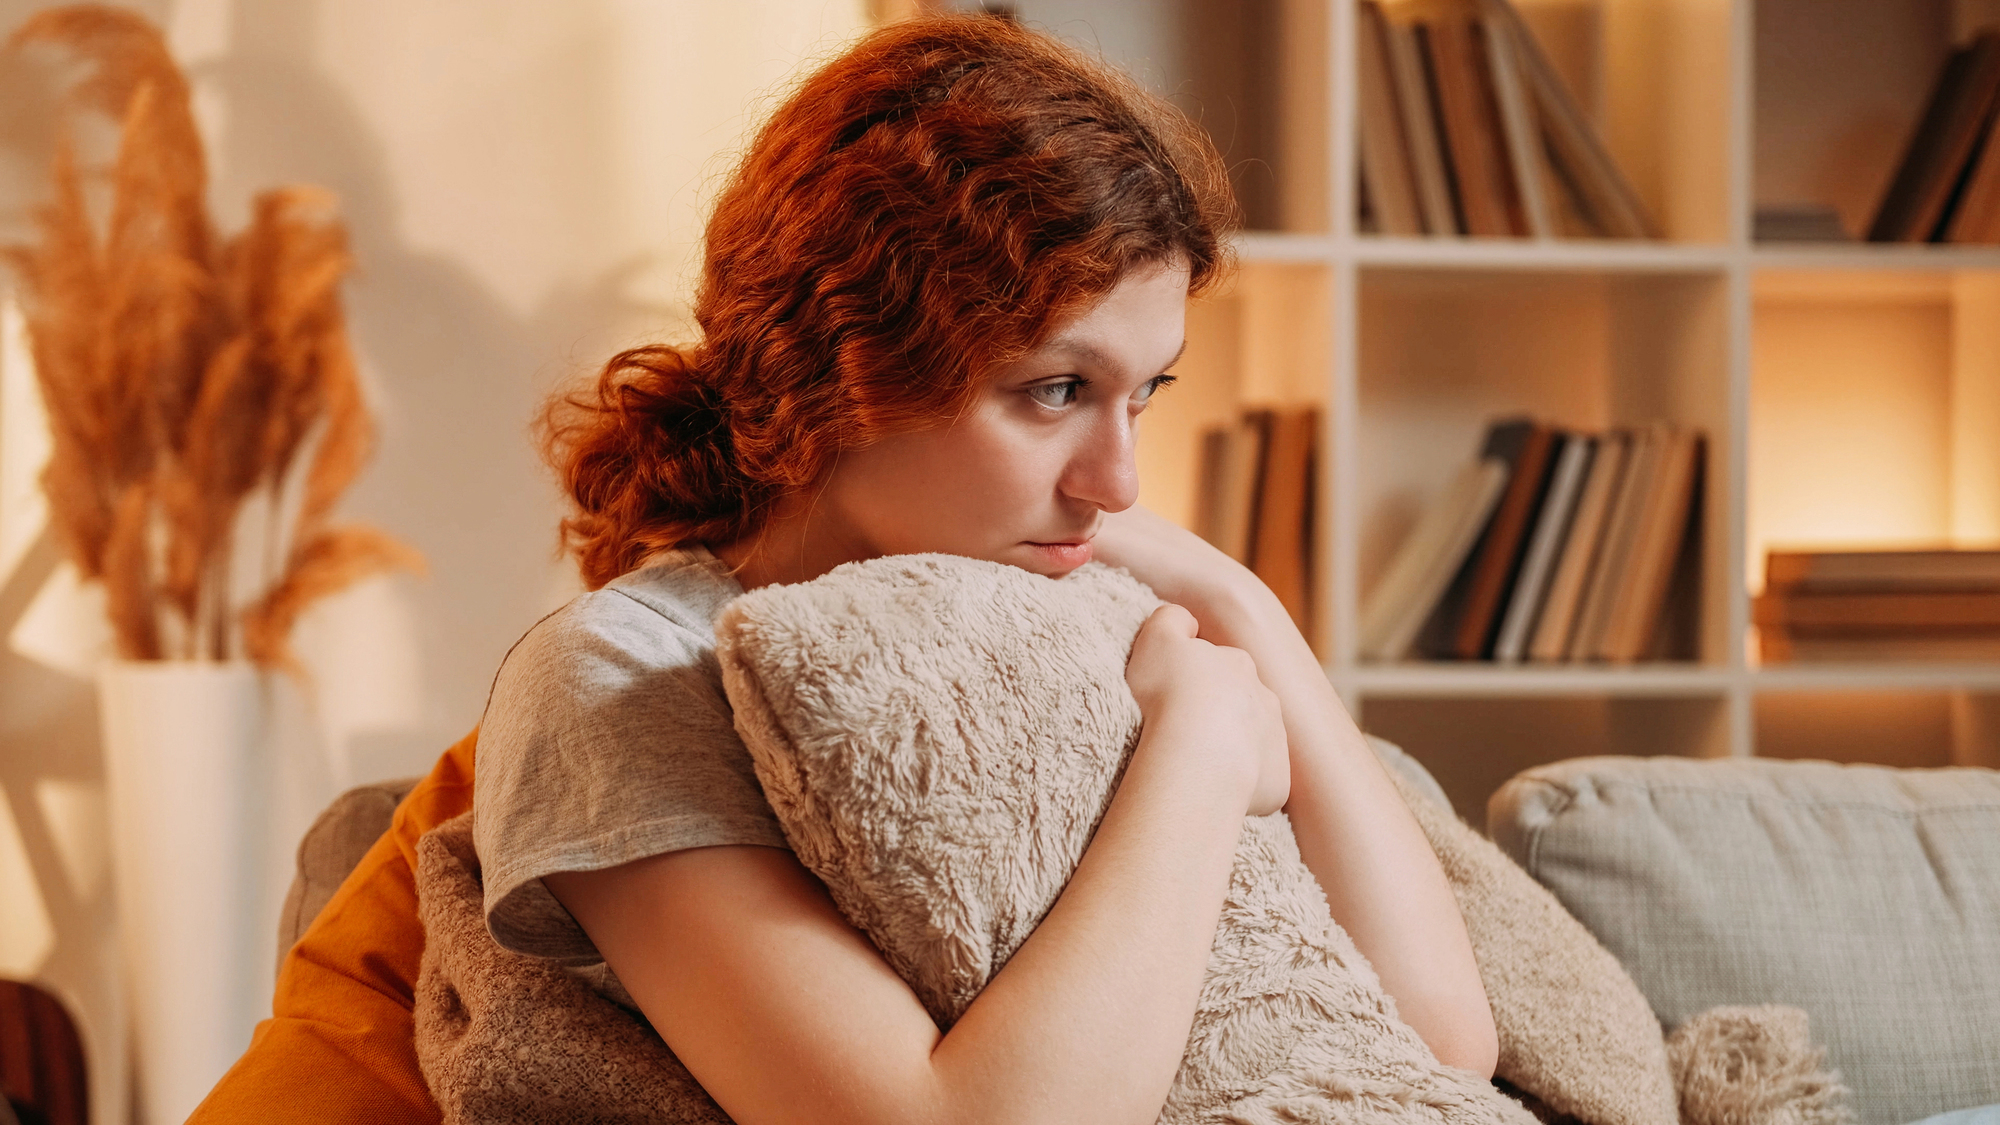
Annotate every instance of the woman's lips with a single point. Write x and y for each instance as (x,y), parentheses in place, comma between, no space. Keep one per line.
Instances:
(1067,556)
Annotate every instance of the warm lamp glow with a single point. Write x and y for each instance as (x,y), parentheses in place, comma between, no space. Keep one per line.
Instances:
(1870,419)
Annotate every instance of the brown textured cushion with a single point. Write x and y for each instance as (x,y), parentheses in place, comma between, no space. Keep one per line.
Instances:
(507,1038)
(337,840)
(1868,897)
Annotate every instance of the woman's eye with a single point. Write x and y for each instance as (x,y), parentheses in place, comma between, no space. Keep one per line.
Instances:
(1056,394)
(1152,386)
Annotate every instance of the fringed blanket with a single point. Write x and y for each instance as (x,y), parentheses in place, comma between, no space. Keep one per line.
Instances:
(849,689)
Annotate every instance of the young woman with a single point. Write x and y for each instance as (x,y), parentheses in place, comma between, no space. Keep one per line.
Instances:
(939,294)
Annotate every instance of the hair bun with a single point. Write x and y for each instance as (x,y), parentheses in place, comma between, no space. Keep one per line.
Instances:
(647,453)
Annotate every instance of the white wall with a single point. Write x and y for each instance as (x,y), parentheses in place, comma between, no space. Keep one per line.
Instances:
(524,181)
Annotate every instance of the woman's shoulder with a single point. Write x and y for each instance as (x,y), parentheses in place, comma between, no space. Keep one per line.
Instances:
(659,616)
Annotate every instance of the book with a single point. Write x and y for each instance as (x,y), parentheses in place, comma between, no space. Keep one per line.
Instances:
(1976,217)
(1564,600)
(1413,102)
(1415,581)
(1805,613)
(1915,205)
(1519,129)
(1447,160)
(1386,173)
(1470,127)
(1578,154)
(1613,554)
(1663,526)
(1524,604)
(1777,646)
(1231,484)
(1526,446)
(1282,554)
(1909,570)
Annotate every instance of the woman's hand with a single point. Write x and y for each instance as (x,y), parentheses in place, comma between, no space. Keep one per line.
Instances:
(1380,876)
(1213,694)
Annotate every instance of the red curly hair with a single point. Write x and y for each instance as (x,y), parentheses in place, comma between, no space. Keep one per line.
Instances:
(928,205)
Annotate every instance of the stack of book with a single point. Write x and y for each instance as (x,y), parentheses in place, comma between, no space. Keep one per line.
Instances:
(1466,128)
(1551,546)
(1879,605)
(1947,189)
(1256,499)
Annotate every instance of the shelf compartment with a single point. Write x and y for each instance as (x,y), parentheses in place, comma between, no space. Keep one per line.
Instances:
(1890,728)
(1839,88)
(1874,411)
(1472,746)
(1580,349)
(1653,79)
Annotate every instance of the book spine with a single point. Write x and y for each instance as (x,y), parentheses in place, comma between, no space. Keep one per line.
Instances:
(1580,549)
(1665,526)
(1537,567)
(1499,559)
(1468,132)
(1452,176)
(1523,139)
(1413,101)
(1385,155)
(1808,613)
(1613,556)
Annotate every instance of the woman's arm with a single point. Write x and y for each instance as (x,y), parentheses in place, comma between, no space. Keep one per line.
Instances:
(1380,875)
(785,1013)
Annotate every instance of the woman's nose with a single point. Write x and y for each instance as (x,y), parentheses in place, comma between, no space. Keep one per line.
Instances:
(1104,469)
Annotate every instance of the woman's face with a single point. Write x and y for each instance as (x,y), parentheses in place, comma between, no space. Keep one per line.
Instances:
(1045,451)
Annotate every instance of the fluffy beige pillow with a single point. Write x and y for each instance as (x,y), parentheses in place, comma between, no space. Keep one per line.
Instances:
(939,737)
(1575,1031)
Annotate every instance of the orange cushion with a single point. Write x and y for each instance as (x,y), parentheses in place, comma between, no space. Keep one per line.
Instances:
(339,1046)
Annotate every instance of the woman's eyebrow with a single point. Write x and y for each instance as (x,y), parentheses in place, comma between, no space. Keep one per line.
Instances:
(1092,354)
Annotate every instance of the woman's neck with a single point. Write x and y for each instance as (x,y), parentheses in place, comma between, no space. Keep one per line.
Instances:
(797,544)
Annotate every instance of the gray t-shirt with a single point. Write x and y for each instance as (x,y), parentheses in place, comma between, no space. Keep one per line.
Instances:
(608,739)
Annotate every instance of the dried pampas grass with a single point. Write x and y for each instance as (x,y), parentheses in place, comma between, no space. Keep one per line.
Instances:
(186,378)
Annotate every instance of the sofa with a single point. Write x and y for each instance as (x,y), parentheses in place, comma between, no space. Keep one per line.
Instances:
(1867,896)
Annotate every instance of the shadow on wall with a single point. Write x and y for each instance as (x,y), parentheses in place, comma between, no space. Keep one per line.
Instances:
(455,370)
(455,373)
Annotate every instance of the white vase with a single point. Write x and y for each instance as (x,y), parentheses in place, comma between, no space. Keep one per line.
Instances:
(188,767)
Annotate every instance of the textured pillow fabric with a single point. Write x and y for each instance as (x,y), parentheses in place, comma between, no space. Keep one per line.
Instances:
(939,737)
(1869,897)
(508,1039)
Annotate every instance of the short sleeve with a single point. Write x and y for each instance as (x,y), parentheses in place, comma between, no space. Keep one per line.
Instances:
(607,739)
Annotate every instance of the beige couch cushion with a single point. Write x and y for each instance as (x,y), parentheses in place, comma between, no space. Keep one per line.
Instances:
(337,840)
(1867,896)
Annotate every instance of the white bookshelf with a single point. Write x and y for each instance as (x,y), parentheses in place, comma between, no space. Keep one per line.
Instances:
(1411,345)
